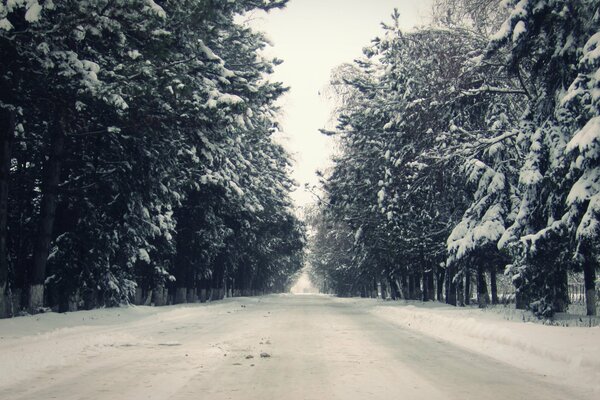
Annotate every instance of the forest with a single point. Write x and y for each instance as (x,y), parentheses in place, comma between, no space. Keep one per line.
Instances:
(469,154)
(137,156)
(139,162)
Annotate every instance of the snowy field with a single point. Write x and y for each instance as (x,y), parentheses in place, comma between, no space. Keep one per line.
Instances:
(295,347)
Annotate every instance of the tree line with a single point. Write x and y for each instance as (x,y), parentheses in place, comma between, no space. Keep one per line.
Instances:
(137,155)
(468,148)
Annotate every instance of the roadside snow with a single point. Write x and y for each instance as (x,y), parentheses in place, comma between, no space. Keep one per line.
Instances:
(567,353)
(32,344)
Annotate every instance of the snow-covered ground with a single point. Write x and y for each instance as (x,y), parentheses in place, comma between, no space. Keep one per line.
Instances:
(313,347)
(570,354)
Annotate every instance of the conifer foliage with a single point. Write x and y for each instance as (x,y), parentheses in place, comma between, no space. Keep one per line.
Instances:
(138,162)
(469,148)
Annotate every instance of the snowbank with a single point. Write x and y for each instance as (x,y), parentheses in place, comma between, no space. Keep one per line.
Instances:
(31,344)
(570,354)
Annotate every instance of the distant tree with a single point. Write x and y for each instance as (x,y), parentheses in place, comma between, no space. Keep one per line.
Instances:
(481,16)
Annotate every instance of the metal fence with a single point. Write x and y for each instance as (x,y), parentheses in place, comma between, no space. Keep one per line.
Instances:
(577,293)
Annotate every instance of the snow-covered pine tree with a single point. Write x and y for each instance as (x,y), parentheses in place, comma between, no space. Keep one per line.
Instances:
(397,179)
(154,103)
(423,106)
(580,110)
(46,74)
(543,40)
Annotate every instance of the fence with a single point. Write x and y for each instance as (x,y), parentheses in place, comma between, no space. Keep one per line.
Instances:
(576,293)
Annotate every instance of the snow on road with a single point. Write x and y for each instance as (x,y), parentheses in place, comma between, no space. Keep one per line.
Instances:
(312,347)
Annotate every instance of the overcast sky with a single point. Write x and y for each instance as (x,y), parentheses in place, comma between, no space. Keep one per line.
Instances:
(313,37)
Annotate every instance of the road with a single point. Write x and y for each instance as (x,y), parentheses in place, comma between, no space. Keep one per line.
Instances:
(313,347)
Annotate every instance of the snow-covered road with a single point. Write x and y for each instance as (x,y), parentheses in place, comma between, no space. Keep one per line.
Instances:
(314,347)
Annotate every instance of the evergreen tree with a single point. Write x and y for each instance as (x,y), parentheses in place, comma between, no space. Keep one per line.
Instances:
(143,146)
(580,110)
(543,41)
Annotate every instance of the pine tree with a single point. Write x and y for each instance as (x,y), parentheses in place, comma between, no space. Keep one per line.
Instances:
(580,109)
(542,40)
(158,118)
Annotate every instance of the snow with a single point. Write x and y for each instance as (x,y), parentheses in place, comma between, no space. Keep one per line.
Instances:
(236,189)
(156,9)
(530,175)
(144,256)
(587,137)
(229,99)
(92,70)
(591,50)
(483,222)
(518,12)
(518,30)
(381,196)
(34,10)
(502,32)
(31,345)
(358,234)
(117,101)
(208,53)
(589,227)
(318,347)
(565,353)
(587,186)
(134,54)
(491,226)
(5,24)
(215,98)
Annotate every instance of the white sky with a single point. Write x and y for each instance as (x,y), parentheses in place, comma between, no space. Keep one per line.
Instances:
(313,37)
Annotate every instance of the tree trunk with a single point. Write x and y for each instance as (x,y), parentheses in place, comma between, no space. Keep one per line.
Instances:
(73,302)
(7,131)
(21,193)
(430,285)
(418,290)
(483,298)
(460,291)
(138,296)
(521,299)
(192,295)
(494,285)
(467,299)
(395,295)
(589,277)
(4,302)
(440,283)
(425,291)
(47,216)
(451,289)
(405,287)
(180,295)
(412,293)
(159,295)
(561,291)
